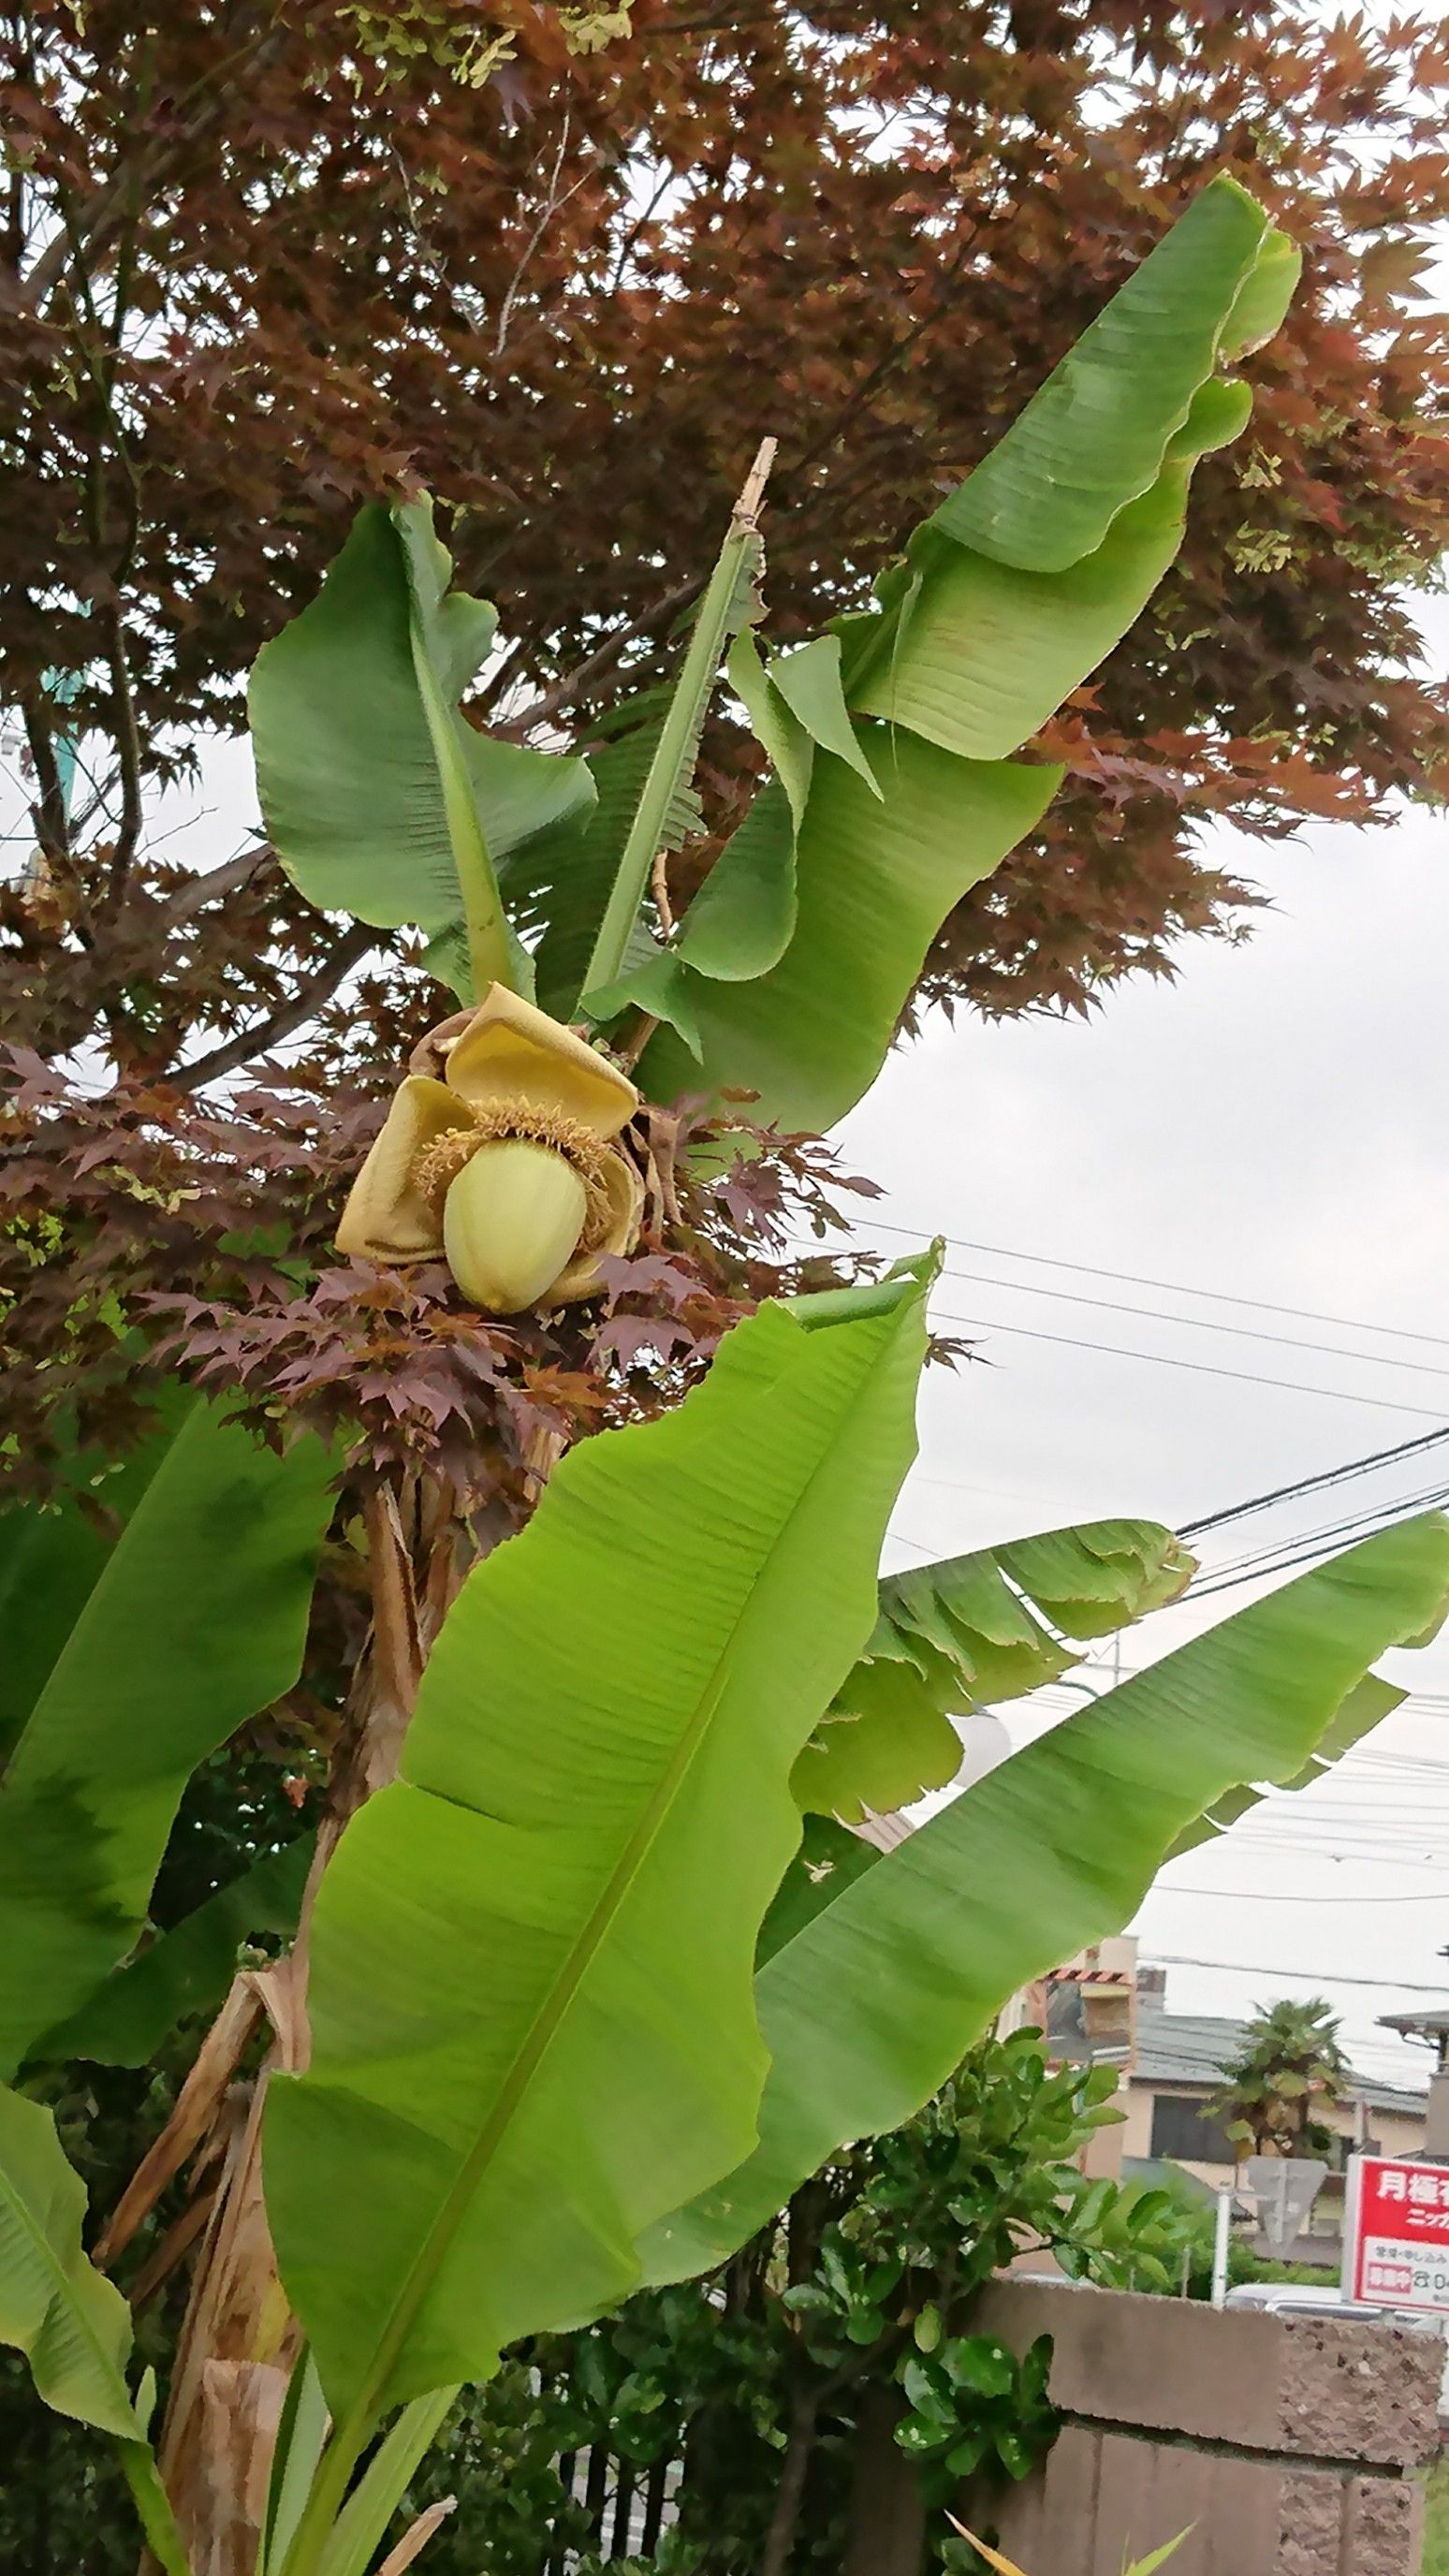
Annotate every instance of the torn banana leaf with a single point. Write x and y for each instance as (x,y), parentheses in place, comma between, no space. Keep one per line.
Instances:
(968,1632)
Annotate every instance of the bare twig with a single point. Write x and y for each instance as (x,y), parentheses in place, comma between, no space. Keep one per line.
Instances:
(501,679)
(15,219)
(128,752)
(303,1006)
(886,365)
(98,356)
(553,204)
(48,812)
(659,881)
(645,216)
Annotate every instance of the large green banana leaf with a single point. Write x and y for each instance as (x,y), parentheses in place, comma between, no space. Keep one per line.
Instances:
(71,2323)
(965,1633)
(380,799)
(530,1995)
(50,1561)
(874,880)
(1015,589)
(196,1620)
(185,1970)
(1028,574)
(876,1998)
(1367,1707)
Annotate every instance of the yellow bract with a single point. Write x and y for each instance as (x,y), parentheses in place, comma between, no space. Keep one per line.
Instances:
(528,1193)
(993,2557)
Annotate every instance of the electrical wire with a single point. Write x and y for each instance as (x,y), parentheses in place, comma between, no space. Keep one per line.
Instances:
(1256,1896)
(1300,1976)
(1401,1505)
(1199,1368)
(1197,1323)
(1307,1556)
(1350,1468)
(1314,1547)
(1169,1287)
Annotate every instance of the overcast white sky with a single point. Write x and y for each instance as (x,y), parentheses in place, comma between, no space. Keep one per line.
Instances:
(1273,1126)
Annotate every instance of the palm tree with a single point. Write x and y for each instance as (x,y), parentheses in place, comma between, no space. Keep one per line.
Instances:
(1289,2066)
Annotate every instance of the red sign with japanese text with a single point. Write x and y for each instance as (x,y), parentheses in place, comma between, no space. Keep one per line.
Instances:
(1396,2233)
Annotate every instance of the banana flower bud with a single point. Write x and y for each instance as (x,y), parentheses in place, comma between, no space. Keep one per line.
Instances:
(505,1168)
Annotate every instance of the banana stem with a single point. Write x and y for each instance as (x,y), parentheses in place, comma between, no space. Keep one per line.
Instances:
(153,2505)
(673,761)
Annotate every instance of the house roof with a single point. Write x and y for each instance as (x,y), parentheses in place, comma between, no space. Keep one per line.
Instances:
(1194,2048)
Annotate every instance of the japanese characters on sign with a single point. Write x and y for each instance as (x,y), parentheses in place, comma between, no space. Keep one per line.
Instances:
(1396,2234)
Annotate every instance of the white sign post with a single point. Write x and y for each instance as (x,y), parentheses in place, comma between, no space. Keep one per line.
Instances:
(1222,2232)
(1396,2234)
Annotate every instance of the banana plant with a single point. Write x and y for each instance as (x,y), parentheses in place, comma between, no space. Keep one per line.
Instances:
(504,1938)
(572,2023)
(893,784)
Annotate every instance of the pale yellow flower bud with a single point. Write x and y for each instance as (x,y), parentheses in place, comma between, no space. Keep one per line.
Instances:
(511,1222)
(505,1168)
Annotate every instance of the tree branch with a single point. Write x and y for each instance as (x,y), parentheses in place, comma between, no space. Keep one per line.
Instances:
(48,813)
(99,360)
(553,205)
(104,214)
(885,366)
(128,753)
(566,691)
(790,2494)
(191,899)
(303,1006)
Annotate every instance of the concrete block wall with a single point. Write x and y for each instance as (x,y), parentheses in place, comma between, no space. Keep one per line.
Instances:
(1293,2447)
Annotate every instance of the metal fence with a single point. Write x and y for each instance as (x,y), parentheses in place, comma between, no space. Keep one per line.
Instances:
(628,2506)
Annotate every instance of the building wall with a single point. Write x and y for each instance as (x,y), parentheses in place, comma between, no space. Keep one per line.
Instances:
(1395,2133)
(1291,2447)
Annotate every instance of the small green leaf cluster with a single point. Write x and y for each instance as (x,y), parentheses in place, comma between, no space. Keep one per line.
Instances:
(974,2405)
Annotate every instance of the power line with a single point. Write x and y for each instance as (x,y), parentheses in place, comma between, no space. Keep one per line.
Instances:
(1315,1548)
(1171,1287)
(1402,1506)
(1300,1976)
(1350,1468)
(1197,1323)
(1199,1368)
(1345,1473)
(1253,1896)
